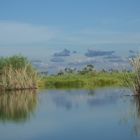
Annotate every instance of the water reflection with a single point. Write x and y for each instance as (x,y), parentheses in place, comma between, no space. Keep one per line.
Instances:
(17,106)
(63,102)
(91,92)
(136,102)
(71,99)
(71,114)
(131,115)
(91,98)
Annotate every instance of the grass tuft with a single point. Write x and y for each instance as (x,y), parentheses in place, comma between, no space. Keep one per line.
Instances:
(16,73)
(133,80)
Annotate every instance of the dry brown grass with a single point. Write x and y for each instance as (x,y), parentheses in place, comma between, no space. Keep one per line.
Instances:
(17,74)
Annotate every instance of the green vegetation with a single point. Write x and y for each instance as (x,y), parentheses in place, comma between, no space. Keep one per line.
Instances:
(16,72)
(133,81)
(88,80)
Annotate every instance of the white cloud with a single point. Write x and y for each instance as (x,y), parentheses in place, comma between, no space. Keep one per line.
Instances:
(19,33)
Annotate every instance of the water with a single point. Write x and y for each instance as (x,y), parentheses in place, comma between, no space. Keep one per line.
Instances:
(103,114)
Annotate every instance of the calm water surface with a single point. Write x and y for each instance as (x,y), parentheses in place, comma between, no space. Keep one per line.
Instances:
(103,114)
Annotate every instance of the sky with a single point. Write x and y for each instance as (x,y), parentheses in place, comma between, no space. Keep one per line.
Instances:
(86,30)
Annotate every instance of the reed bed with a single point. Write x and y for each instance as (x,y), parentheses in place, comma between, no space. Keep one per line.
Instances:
(133,80)
(17,73)
(86,81)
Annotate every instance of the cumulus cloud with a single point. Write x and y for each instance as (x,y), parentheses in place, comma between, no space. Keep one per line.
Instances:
(57,59)
(19,33)
(65,52)
(94,53)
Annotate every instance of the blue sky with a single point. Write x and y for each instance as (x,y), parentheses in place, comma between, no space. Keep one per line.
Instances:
(40,28)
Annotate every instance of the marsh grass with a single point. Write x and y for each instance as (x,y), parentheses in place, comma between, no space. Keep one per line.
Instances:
(16,73)
(87,81)
(132,80)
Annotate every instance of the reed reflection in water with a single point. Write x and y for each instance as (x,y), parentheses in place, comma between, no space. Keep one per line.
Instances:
(136,102)
(17,106)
